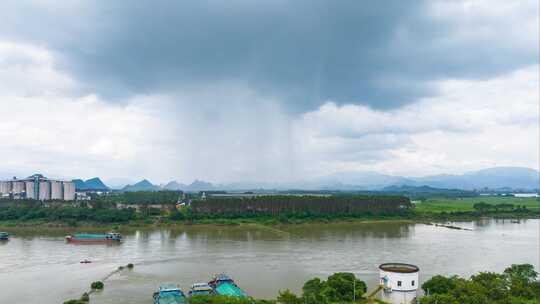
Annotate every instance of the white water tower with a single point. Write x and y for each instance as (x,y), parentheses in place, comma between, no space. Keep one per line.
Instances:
(399,282)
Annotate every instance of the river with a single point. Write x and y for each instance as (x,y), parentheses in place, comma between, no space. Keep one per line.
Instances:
(43,268)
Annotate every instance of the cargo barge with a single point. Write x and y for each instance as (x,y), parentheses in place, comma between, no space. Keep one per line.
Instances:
(169,294)
(224,285)
(94,238)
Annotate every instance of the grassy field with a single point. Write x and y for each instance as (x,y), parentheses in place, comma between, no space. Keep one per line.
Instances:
(466,204)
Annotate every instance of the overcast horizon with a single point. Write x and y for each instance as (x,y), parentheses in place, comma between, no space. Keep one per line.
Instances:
(267,91)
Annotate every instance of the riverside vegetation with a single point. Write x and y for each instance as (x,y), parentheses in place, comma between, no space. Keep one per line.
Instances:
(277,209)
(518,284)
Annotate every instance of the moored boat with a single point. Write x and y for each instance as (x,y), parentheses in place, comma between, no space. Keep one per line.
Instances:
(94,237)
(198,289)
(169,294)
(225,285)
(4,236)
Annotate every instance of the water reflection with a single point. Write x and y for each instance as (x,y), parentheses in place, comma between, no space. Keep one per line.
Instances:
(262,259)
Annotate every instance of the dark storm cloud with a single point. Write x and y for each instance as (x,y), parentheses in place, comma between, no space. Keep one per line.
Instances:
(380,53)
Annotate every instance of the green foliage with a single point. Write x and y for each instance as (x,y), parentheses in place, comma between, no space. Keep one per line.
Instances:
(218,299)
(129,266)
(176,215)
(291,206)
(439,284)
(522,280)
(312,291)
(287,297)
(338,288)
(97,285)
(517,284)
(483,207)
(499,203)
(69,214)
(75,302)
(343,283)
(139,197)
(85,297)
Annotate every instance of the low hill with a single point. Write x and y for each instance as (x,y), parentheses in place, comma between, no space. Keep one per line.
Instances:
(93,184)
(143,185)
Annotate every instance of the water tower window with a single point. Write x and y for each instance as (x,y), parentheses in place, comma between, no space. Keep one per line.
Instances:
(399,283)
(412,283)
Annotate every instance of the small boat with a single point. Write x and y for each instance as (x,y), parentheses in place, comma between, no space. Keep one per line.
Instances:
(4,236)
(224,285)
(169,294)
(198,289)
(94,237)
(86,262)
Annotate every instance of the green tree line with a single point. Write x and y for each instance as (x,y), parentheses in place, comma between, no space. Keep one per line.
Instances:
(138,197)
(68,214)
(311,205)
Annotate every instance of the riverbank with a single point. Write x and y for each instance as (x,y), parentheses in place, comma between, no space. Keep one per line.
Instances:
(439,210)
(262,223)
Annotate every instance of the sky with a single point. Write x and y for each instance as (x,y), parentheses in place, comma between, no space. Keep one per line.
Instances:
(267,91)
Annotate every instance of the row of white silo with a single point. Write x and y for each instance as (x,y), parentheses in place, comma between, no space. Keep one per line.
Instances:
(37,188)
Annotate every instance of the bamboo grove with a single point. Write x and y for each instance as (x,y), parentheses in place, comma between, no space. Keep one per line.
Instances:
(309,205)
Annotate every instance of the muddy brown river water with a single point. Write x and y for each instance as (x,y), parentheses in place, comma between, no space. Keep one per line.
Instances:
(42,268)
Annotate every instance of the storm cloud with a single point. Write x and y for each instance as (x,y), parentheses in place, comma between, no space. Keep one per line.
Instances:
(266,90)
(379,53)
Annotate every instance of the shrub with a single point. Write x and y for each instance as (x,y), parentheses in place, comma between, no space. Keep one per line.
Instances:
(97,285)
(85,297)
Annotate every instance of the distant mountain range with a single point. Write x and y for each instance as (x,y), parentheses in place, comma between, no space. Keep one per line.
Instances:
(94,184)
(143,185)
(196,185)
(493,178)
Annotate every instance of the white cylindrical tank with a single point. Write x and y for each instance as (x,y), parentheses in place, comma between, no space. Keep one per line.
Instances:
(5,188)
(30,191)
(44,191)
(400,282)
(17,187)
(69,191)
(56,190)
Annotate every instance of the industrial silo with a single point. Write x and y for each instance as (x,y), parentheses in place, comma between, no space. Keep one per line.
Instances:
(399,282)
(30,189)
(5,188)
(17,188)
(56,190)
(69,191)
(44,191)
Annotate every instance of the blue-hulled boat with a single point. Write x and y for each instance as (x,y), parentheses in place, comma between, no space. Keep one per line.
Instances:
(4,236)
(224,285)
(94,237)
(169,294)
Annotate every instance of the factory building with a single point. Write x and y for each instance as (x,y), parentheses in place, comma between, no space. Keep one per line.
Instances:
(37,187)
